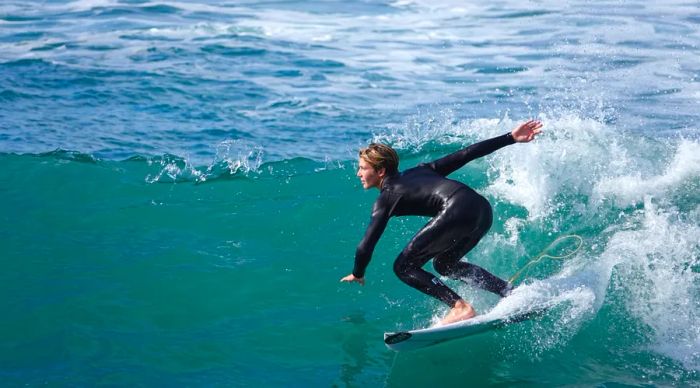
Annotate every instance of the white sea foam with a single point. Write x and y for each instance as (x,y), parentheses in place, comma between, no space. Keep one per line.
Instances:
(657,257)
(571,156)
(632,186)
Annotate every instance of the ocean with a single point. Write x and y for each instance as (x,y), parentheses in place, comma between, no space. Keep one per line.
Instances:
(178,198)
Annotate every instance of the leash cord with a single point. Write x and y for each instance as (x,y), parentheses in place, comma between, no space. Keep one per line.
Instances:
(542,255)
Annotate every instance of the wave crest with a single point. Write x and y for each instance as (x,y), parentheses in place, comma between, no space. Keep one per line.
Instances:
(233,157)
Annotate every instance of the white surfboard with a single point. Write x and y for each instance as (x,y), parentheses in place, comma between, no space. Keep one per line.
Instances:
(524,302)
(420,338)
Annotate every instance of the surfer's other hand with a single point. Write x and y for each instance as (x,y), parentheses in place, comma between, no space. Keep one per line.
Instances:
(526,131)
(352,278)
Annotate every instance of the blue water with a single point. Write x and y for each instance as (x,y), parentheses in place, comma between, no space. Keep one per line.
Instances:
(178,194)
(115,79)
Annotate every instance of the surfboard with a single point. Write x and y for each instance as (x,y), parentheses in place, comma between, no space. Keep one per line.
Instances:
(517,307)
(420,338)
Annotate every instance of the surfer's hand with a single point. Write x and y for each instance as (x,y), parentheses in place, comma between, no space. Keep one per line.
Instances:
(352,278)
(526,131)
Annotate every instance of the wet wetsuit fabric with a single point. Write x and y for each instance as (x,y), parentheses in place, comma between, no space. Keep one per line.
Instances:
(461,217)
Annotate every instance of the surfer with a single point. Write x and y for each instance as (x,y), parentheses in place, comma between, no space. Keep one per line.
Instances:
(460,218)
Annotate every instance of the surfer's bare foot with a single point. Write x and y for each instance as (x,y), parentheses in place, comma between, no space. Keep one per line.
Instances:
(460,312)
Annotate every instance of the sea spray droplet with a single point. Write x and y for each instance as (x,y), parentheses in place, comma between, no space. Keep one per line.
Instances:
(173,169)
(232,157)
(239,156)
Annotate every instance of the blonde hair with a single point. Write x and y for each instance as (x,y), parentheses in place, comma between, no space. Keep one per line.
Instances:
(381,156)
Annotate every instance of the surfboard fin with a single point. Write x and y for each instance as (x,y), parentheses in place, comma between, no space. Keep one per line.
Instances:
(395,338)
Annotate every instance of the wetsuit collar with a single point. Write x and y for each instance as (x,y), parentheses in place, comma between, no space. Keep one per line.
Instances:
(383,185)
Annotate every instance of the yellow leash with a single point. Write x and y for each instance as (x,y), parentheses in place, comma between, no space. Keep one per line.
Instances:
(526,268)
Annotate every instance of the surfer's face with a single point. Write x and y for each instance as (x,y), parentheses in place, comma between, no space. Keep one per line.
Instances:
(369,176)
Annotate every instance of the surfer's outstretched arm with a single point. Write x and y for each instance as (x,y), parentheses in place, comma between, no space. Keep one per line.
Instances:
(523,133)
(380,217)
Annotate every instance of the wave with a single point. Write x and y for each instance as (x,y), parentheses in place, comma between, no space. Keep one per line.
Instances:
(575,158)
(641,253)
(234,159)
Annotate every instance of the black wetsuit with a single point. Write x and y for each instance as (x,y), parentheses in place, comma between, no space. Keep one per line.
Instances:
(461,217)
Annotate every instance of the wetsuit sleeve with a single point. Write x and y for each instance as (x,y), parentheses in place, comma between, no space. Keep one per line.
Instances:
(377,224)
(452,162)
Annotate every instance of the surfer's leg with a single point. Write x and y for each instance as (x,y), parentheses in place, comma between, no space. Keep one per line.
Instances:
(473,274)
(449,263)
(408,269)
(421,248)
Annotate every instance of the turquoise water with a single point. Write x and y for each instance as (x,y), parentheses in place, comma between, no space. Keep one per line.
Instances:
(179,200)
